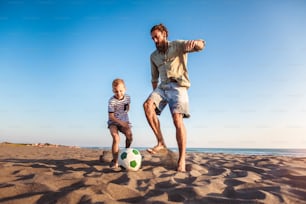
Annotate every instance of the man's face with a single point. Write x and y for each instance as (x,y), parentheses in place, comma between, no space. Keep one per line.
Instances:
(159,38)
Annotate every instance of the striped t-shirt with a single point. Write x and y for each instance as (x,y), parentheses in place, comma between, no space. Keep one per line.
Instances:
(120,108)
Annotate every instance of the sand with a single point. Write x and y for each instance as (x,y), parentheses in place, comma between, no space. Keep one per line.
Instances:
(57,174)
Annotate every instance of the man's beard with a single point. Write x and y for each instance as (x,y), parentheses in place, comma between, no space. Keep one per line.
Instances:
(161,46)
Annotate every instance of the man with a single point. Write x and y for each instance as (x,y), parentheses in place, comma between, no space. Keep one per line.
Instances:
(169,67)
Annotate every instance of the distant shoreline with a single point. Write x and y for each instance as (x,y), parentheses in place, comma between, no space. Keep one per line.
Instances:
(236,151)
(290,152)
(37,144)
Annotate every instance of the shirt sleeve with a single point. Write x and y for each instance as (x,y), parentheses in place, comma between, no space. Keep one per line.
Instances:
(154,72)
(194,49)
(111,107)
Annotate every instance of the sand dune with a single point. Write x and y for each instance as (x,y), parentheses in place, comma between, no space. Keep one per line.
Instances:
(33,174)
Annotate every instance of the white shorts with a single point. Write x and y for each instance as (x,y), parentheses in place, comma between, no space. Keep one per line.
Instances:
(174,95)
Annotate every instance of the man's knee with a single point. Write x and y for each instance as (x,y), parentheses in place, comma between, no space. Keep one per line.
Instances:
(148,105)
(177,119)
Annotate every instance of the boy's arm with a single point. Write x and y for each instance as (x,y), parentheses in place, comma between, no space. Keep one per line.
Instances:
(116,120)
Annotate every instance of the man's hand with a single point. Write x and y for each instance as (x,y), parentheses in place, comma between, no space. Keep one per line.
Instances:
(190,45)
(194,45)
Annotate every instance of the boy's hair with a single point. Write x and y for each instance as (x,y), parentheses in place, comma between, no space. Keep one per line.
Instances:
(161,28)
(117,81)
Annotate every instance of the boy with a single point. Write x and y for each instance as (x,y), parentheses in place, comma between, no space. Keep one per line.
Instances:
(118,120)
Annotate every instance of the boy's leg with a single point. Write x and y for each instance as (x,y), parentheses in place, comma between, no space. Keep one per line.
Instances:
(128,136)
(115,145)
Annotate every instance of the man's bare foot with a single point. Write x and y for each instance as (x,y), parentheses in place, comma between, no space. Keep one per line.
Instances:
(157,149)
(181,167)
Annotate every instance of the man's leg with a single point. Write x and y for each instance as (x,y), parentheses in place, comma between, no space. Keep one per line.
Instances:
(181,140)
(149,108)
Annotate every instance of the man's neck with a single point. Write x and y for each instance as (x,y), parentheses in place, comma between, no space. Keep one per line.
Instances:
(163,49)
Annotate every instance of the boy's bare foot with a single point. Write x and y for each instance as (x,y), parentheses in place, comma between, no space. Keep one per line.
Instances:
(114,165)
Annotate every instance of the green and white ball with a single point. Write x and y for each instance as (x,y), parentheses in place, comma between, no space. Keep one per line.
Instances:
(130,159)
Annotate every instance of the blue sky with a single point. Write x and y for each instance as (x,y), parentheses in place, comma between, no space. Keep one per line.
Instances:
(58,59)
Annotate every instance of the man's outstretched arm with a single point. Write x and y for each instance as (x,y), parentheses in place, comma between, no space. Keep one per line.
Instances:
(195,45)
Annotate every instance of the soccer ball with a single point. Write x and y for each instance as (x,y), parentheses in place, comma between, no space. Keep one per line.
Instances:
(130,159)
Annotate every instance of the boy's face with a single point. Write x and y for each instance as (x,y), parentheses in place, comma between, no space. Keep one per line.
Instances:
(119,91)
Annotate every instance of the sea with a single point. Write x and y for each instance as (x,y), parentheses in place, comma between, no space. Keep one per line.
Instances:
(238,151)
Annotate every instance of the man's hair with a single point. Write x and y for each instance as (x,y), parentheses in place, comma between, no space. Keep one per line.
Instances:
(117,81)
(161,28)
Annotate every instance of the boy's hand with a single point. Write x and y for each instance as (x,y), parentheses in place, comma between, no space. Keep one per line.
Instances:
(125,124)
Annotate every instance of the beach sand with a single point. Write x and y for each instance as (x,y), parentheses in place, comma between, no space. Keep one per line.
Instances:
(33,174)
